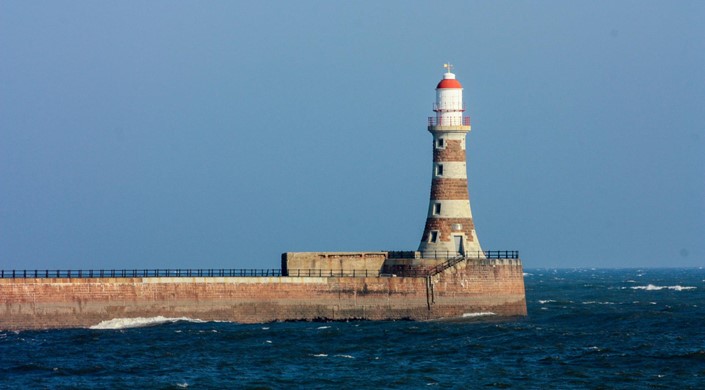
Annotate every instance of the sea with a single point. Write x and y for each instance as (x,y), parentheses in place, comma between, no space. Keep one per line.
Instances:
(586,329)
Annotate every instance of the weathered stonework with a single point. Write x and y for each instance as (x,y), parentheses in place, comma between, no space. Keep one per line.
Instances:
(444,227)
(298,263)
(453,151)
(473,286)
(449,189)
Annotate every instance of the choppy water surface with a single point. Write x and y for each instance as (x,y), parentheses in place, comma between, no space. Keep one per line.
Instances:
(586,329)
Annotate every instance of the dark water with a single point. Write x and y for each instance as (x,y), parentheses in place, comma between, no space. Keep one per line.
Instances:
(586,329)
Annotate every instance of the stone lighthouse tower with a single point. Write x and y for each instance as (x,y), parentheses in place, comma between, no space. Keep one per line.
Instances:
(449,230)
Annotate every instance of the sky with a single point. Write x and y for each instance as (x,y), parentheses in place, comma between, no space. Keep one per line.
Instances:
(221,134)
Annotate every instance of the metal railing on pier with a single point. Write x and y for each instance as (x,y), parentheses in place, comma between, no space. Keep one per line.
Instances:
(139,273)
(362,273)
(182,273)
(451,258)
(454,254)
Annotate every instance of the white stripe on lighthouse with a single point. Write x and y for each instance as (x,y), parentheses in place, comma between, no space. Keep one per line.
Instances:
(450,170)
(450,209)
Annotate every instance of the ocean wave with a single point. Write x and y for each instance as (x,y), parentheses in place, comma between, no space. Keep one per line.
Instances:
(598,303)
(140,322)
(651,287)
(542,301)
(480,314)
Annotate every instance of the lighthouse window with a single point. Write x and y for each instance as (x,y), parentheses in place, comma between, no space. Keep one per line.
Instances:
(436,208)
(434,236)
(439,170)
(440,143)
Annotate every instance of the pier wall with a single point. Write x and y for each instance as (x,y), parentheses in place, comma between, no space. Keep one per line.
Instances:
(469,287)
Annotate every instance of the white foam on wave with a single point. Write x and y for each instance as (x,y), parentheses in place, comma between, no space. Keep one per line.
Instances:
(140,322)
(597,303)
(543,301)
(323,327)
(681,288)
(321,355)
(480,314)
(651,287)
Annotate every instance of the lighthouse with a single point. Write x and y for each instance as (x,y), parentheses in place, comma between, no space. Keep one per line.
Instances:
(449,230)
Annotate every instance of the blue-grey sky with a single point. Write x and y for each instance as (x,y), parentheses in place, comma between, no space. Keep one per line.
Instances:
(223,133)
